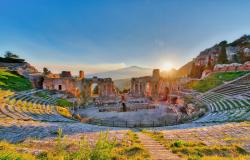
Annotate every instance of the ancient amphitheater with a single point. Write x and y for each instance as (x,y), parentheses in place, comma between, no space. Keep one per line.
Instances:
(223,132)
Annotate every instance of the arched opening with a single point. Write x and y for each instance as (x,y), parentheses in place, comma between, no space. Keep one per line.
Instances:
(94,90)
(148,89)
(59,87)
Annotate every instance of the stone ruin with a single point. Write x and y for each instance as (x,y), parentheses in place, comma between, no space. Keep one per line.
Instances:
(155,86)
(80,86)
(232,67)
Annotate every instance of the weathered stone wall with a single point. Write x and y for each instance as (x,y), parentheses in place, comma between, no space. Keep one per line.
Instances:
(80,87)
(152,86)
(69,85)
(232,67)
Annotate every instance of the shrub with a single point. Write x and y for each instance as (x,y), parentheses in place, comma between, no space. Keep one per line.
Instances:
(64,103)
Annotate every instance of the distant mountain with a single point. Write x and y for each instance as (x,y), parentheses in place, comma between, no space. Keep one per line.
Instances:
(123,83)
(124,73)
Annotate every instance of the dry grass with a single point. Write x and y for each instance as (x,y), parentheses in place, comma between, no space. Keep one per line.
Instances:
(196,150)
(105,147)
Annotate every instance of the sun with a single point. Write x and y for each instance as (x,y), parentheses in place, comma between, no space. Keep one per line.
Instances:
(167,66)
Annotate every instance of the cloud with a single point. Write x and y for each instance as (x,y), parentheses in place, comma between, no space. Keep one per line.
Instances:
(87,68)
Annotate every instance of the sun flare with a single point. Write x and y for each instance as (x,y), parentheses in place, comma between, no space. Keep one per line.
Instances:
(167,66)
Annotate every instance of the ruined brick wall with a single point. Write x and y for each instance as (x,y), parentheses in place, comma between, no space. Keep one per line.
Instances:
(232,67)
(153,86)
(80,87)
(141,86)
(69,85)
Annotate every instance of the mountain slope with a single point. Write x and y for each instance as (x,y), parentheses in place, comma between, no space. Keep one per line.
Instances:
(123,83)
(124,73)
(185,69)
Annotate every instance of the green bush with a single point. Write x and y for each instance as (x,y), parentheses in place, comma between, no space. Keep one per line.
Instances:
(63,103)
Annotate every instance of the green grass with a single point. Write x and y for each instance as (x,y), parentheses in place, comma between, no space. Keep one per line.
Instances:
(198,150)
(130,148)
(215,80)
(63,103)
(13,81)
(42,94)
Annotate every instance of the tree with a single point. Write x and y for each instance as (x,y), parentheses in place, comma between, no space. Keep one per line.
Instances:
(222,59)
(9,54)
(46,71)
(223,43)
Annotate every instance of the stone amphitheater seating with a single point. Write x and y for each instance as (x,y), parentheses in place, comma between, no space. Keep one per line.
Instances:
(46,113)
(28,96)
(24,106)
(230,102)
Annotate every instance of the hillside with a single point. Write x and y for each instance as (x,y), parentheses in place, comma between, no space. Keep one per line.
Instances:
(215,80)
(223,52)
(124,73)
(13,81)
(185,69)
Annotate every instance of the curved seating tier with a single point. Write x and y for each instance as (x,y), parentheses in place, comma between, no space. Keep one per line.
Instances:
(43,113)
(25,106)
(29,96)
(230,102)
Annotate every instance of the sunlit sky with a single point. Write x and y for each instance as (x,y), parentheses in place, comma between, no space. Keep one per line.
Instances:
(100,35)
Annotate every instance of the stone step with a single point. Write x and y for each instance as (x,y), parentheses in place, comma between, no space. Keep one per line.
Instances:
(156,150)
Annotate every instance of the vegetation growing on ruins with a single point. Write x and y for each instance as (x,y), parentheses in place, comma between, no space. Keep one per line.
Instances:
(215,80)
(5,93)
(13,81)
(43,94)
(196,150)
(64,112)
(128,148)
(63,102)
(9,152)
(59,101)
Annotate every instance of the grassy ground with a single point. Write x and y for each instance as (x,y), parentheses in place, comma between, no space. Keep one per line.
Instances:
(9,152)
(59,101)
(63,103)
(215,80)
(195,150)
(129,148)
(13,81)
